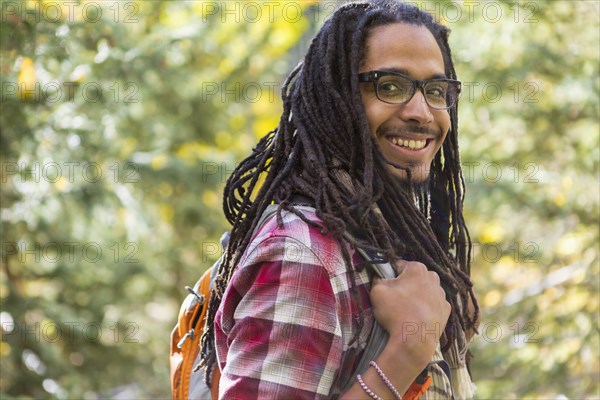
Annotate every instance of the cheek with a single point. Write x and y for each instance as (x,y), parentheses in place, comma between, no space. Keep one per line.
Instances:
(375,116)
(372,109)
(372,118)
(443,121)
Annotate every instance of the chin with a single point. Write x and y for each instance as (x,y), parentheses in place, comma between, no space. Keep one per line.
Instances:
(419,175)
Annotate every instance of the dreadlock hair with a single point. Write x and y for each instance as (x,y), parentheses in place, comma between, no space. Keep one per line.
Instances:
(323,149)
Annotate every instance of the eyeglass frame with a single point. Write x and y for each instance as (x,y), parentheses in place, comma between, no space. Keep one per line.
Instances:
(373,77)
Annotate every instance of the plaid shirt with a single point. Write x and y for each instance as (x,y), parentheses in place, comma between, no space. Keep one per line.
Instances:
(287,318)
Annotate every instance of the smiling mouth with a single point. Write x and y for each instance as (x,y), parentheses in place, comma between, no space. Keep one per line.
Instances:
(410,144)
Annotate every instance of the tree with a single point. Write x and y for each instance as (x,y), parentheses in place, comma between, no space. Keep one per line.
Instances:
(121,121)
(529,128)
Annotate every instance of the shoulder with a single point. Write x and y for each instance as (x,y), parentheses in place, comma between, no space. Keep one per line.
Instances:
(293,240)
(285,275)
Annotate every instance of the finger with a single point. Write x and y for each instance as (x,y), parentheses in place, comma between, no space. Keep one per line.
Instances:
(400,266)
(377,280)
(443,292)
(434,276)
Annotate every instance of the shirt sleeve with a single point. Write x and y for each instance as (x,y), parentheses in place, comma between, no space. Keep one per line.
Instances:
(277,331)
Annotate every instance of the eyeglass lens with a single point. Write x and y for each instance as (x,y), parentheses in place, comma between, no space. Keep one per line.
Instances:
(397,89)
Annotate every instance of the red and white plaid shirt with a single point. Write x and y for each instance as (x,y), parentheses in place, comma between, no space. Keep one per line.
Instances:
(284,327)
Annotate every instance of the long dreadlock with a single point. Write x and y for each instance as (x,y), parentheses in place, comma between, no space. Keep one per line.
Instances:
(323,150)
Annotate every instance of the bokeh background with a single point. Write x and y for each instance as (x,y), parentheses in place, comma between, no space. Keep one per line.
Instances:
(121,120)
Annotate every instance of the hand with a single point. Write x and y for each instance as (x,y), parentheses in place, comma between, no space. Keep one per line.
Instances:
(412,308)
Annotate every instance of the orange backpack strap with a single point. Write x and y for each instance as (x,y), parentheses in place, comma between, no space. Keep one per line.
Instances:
(418,387)
(214,387)
(185,337)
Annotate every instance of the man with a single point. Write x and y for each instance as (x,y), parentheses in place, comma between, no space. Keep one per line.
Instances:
(365,157)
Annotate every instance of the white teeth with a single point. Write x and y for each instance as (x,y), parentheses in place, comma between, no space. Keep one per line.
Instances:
(411,144)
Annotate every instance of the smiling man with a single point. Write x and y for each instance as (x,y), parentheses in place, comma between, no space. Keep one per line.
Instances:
(364,162)
(410,135)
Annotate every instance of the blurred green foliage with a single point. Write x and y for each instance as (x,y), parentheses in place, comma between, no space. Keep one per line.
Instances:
(530,153)
(114,164)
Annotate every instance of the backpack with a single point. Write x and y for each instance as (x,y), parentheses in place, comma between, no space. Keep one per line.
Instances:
(185,343)
(185,337)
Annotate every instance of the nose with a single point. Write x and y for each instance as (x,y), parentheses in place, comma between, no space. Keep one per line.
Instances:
(416,109)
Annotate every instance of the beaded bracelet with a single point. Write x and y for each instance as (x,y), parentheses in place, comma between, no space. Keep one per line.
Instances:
(385,380)
(366,388)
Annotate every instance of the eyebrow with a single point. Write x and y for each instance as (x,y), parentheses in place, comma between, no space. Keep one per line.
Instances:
(405,72)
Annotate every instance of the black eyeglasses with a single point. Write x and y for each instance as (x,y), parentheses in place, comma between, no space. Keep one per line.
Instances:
(397,88)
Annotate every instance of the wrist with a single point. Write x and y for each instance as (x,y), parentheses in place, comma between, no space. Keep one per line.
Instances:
(400,364)
(385,380)
(412,355)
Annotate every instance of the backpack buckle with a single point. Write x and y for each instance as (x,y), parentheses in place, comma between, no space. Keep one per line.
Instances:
(189,334)
(198,297)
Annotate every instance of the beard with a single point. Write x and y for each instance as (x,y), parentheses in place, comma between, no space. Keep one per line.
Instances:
(415,189)
(420,187)
(412,186)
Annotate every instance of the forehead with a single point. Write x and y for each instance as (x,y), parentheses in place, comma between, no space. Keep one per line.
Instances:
(407,47)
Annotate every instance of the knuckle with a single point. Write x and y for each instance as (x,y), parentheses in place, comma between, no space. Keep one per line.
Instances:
(416,267)
(447,306)
(378,287)
(417,264)
(375,288)
(434,275)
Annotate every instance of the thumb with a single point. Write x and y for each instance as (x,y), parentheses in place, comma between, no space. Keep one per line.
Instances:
(400,266)
(377,280)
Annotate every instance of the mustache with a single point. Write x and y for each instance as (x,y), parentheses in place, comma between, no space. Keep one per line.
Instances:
(400,129)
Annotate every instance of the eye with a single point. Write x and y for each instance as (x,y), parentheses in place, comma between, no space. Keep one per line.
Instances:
(393,86)
(389,86)
(437,89)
